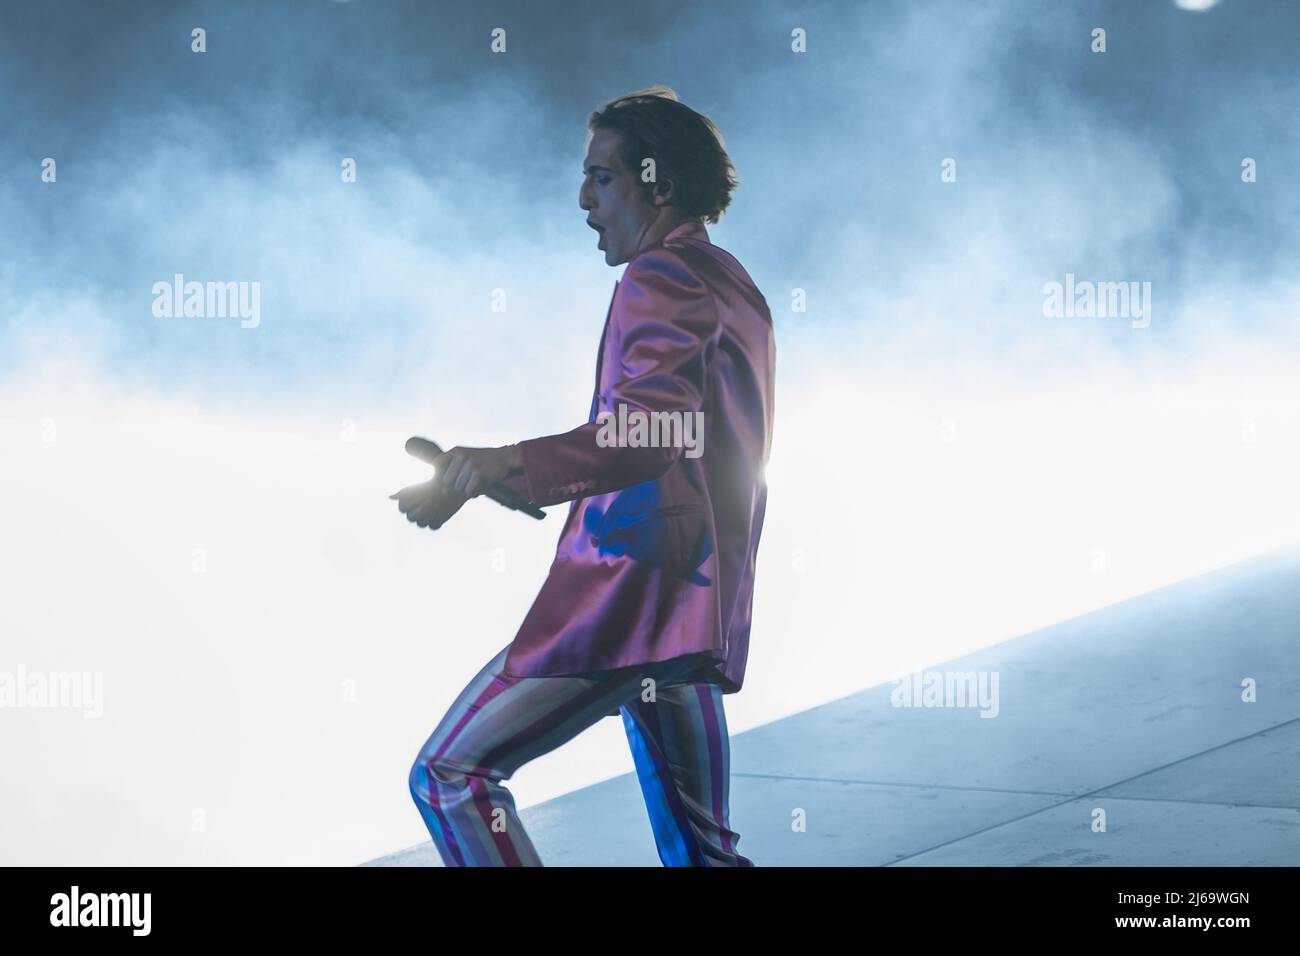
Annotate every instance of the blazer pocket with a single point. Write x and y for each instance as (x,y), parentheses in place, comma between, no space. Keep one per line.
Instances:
(685,541)
(673,511)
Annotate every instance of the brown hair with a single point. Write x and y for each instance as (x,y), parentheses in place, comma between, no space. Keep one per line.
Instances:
(686,146)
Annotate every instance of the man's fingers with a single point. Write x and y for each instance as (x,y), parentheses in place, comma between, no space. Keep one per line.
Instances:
(411,498)
(440,466)
(434,511)
(409,495)
(429,504)
(450,470)
(443,508)
(420,510)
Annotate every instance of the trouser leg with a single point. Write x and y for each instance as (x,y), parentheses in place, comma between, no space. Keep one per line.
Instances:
(683,760)
(497,724)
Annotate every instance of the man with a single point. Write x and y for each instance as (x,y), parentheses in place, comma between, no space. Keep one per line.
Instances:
(646,609)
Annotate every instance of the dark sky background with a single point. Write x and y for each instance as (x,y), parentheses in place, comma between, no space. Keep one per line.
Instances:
(225,165)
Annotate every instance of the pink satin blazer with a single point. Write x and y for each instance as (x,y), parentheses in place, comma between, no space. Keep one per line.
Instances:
(656,557)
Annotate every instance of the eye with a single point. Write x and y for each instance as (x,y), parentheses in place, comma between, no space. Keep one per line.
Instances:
(603,180)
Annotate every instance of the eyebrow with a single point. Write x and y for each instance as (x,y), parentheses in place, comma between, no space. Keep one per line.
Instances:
(593,166)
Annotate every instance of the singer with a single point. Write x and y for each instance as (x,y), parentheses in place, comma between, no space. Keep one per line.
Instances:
(646,609)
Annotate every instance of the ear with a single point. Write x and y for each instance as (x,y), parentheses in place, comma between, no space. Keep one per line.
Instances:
(664,193)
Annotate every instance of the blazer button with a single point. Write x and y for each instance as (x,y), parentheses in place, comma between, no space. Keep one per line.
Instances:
(594,541)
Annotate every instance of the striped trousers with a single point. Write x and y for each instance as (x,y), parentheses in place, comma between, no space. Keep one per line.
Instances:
(500,722)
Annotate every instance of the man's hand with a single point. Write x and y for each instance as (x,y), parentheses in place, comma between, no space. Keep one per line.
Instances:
(427,505)
(472,471)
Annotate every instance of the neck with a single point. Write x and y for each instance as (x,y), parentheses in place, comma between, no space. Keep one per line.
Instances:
(665,222)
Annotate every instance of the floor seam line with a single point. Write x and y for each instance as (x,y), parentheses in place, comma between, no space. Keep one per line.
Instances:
(1093,793)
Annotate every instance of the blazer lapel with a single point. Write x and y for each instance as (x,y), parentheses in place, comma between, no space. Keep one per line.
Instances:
(600,356)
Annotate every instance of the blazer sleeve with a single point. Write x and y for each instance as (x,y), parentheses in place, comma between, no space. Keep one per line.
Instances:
(666,329)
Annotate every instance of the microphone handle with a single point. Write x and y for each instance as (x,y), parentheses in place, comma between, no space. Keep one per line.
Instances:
(428,453)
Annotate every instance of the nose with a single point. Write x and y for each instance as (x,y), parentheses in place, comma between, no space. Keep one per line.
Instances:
(586,195)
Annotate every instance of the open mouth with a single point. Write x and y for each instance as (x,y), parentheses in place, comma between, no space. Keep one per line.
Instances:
(600,231)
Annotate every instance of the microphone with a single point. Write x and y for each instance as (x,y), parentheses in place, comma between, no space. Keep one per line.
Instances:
(428,453)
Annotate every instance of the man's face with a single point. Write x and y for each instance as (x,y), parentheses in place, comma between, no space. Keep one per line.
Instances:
(614,198)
